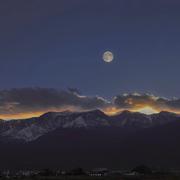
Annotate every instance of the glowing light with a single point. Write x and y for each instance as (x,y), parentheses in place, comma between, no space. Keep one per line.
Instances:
(147,110)
(21,115)
(111,110)
(25,115)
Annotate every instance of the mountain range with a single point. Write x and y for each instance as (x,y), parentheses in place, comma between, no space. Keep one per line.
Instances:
(91,139)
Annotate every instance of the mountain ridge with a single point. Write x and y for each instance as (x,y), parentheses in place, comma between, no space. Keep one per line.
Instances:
(63,140)
(32,128)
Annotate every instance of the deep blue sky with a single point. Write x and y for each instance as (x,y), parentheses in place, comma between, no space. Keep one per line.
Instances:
(59,44)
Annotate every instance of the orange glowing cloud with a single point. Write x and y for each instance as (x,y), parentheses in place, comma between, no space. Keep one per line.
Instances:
(32,102)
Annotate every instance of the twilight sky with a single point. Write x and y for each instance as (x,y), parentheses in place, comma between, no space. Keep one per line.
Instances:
(59,44)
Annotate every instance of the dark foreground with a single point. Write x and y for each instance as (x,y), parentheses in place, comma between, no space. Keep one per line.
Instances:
(166,177)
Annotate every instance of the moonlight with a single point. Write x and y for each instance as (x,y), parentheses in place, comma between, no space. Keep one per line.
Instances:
(108,56)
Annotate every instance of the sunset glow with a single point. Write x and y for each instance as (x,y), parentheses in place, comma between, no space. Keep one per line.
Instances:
(12,112)
(111,110)
(147,110)
(20,115)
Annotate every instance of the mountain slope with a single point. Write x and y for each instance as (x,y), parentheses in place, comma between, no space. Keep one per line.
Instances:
(97,147)
(91,139)
(33,128)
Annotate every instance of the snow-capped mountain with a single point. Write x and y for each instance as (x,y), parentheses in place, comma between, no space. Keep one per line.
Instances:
(89,139)
(33,128)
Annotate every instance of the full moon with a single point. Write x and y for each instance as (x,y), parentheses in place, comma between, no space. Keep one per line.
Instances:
(108,56)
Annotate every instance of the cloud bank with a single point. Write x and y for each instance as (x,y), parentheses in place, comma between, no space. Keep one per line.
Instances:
(28,102)
(136,100)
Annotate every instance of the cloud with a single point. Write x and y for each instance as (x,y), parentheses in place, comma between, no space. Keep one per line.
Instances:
(135,101)
(28,102)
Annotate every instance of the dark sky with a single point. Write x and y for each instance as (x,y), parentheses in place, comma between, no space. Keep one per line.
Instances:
(59,44)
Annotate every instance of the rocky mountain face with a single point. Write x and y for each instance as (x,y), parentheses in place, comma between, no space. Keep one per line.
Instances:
(31,129)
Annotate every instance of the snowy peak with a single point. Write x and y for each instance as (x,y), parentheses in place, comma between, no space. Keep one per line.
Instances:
(33,128)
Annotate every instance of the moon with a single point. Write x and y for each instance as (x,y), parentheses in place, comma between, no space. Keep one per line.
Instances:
(108,56)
